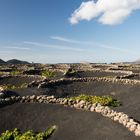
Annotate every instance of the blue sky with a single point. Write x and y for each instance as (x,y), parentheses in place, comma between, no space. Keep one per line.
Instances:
(42,31)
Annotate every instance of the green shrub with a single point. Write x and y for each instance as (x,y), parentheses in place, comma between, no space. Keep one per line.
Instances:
(8,87)
(3,72)
(109,76)
(28,135)
(15,72)
(47,73)
(103,100)
(12,87)
(24,85)
(71,72)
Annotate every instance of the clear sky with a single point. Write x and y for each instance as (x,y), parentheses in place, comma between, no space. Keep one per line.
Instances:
(49,31)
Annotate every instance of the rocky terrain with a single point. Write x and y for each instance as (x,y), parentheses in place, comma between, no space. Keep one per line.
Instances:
(37,96)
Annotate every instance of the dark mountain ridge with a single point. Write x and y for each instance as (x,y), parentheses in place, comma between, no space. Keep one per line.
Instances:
(2,61)
(16,61)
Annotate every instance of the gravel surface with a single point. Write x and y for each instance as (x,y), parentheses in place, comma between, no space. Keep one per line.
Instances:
(128,94)
(72,124)
(17,80)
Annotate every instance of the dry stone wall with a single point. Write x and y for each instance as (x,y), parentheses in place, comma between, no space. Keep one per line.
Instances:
(43,84)
(131,124)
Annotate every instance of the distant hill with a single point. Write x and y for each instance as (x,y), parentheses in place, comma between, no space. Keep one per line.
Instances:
(2,61)
(15,61)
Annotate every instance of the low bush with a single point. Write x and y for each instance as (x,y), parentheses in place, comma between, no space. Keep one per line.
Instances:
(109,76)
(8,87)
(24,85)
(12,87)
(48,74)
(15,72)
(28,135)
(103,100)
(71,72)
(3,73)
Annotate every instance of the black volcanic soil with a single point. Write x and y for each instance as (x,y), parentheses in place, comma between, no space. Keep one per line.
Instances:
(104,67)
(128,94)
(131,69)
(135,78)
(5,70)
(81,74)
(72,124)
(17,80)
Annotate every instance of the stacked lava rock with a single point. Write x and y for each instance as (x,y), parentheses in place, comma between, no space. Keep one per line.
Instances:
(106,111)
(1,92)
(120,117)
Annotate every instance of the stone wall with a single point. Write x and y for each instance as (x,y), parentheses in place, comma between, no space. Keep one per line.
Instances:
(120,117)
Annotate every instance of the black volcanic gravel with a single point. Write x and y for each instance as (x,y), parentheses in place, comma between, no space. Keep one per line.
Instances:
(72,124)
(128,94)
(17,80)
(81,74)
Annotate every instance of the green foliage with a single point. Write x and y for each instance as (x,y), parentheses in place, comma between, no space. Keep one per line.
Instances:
(15,72)
(109,76)
(71,72)
(12,87)
(103,100)
(49,131)
(47,73)
(3,73)
(24,85)
(28,135)
(8,87)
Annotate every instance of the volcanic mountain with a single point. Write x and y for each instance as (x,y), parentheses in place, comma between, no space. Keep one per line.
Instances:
(15,61)
(2,61)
